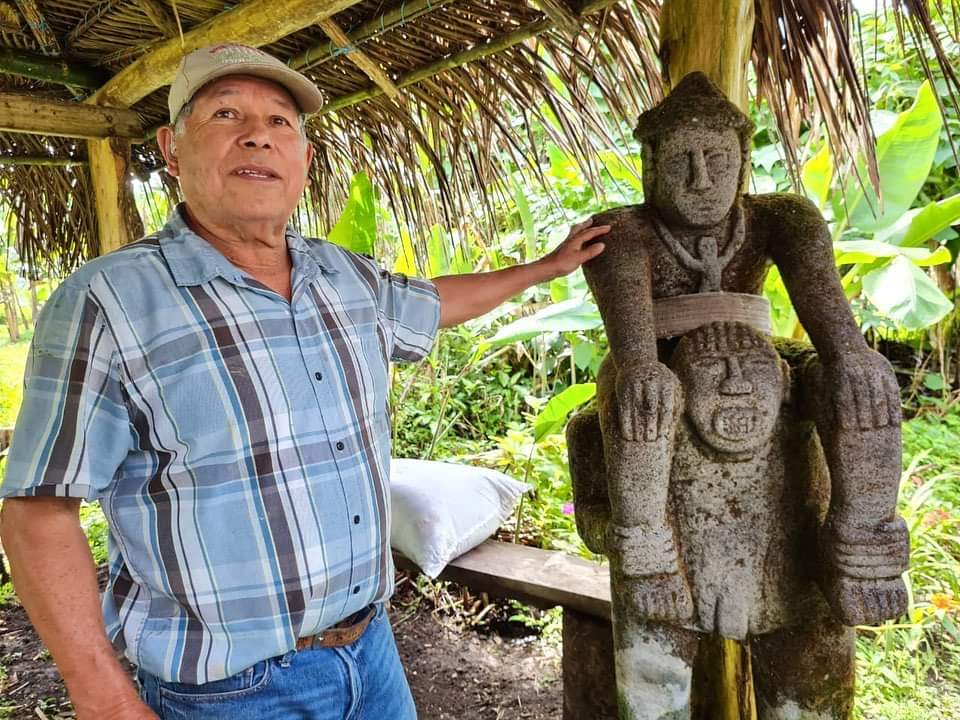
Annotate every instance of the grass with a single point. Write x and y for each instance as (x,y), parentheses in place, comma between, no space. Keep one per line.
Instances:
(13,357)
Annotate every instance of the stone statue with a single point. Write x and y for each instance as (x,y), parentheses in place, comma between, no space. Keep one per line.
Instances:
(729,499)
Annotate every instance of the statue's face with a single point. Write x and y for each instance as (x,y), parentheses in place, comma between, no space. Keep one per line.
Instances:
(733,398)
(697,175)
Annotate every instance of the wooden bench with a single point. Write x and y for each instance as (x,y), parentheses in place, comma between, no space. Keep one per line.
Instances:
(545,579)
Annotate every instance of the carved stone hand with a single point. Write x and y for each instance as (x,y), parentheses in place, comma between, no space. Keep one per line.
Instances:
(864,564)
(648,400)
(866,396)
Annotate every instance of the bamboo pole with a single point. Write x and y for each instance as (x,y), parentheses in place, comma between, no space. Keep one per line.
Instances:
(40,161)
(112,194)
(40,67)
(159,16)
(715,37)
(39,27)
(20,112)
(254,22)
(359,58)
(325,51)
(462,58)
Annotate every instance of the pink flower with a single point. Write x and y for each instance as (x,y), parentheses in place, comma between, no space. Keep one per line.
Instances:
(568,508)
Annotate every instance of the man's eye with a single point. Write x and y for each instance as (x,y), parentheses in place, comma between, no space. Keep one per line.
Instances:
(224,113)
(278,120)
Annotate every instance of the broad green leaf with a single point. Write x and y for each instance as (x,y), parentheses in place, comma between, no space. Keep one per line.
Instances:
(566,316)
(526,219)
(626,169)
(553,417)
(569,286)
(933,219)
(783,318)
(407,260)
(817,173)
(865,251)
(903,292)
(904,155)
(356,229)
(438,255)
(583,354)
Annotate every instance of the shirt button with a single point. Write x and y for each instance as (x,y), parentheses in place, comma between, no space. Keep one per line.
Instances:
(318,375)
(340,445)
(356,589)
(356,519)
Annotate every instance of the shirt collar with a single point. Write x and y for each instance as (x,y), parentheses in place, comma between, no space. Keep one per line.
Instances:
(194,261)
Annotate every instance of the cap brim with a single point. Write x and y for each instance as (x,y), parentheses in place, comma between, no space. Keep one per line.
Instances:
(305,93)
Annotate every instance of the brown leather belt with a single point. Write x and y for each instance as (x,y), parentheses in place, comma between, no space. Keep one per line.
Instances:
(345,632)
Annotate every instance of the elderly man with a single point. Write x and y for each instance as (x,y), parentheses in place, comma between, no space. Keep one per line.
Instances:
(221,388)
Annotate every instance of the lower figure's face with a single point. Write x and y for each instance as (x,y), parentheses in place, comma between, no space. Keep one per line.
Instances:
(734,398)
(696,175)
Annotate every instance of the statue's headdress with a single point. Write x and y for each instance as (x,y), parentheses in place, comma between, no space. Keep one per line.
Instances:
(696,101)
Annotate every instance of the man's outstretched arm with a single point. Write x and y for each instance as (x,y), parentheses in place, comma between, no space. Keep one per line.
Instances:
(55,579)
(464,297)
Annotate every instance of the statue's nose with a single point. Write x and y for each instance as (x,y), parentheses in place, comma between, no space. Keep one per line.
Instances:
(699,177)
(735,383)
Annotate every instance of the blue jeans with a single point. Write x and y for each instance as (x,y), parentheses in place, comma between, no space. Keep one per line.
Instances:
(362,681)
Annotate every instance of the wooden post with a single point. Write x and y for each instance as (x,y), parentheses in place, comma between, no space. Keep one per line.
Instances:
(117,218)
(715,37)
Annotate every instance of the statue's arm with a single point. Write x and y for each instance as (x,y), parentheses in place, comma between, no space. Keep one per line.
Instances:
(799,244)
(620,280)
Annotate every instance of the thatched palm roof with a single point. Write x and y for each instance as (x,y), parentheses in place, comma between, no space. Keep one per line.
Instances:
(465,69)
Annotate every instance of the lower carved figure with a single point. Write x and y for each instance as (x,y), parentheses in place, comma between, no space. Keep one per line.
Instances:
(718,524)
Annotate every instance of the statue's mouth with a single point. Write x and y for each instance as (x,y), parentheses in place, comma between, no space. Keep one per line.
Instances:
(737,423)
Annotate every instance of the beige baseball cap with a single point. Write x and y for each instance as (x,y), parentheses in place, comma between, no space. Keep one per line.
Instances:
(215,61)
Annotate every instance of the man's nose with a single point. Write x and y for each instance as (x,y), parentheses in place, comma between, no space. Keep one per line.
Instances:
(256,134)
(699,177)
(735,383)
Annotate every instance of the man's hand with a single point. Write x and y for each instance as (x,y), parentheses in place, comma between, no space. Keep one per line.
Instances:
(130,707)
(649,400)
(577,249)
(865,391)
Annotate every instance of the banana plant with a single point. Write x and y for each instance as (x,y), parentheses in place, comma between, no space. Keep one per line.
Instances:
(882,244)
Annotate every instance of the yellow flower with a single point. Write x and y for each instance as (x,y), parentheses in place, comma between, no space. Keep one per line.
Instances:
(944,602)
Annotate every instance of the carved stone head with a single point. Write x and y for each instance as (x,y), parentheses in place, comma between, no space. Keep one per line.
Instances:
(734,382)
(696,153)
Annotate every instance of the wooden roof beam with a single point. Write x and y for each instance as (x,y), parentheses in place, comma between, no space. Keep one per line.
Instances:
(37,116)
(492,47)
(39,27)
(40,161)
(254,22)
(360,58)
(40,67)
(326,51)
(164,21)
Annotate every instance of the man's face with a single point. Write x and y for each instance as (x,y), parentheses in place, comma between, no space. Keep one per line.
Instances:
(734,397)
(241,156)
(696,175)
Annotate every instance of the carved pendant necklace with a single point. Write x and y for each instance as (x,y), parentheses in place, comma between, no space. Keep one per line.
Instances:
(711,263)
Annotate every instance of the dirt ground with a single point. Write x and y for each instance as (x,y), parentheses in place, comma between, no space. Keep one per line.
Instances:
(459,668)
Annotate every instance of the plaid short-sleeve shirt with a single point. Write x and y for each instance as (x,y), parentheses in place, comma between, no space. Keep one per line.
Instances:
(238,443)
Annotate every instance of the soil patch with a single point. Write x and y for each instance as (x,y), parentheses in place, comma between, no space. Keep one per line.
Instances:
(456,671)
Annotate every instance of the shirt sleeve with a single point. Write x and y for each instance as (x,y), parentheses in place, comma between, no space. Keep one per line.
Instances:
(410,308)
(73,430)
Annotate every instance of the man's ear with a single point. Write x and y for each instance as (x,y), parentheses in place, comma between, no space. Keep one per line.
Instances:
(311,152)
(168,147)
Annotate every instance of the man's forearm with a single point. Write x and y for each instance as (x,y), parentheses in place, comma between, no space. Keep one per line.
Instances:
(55,579)
(464,297)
